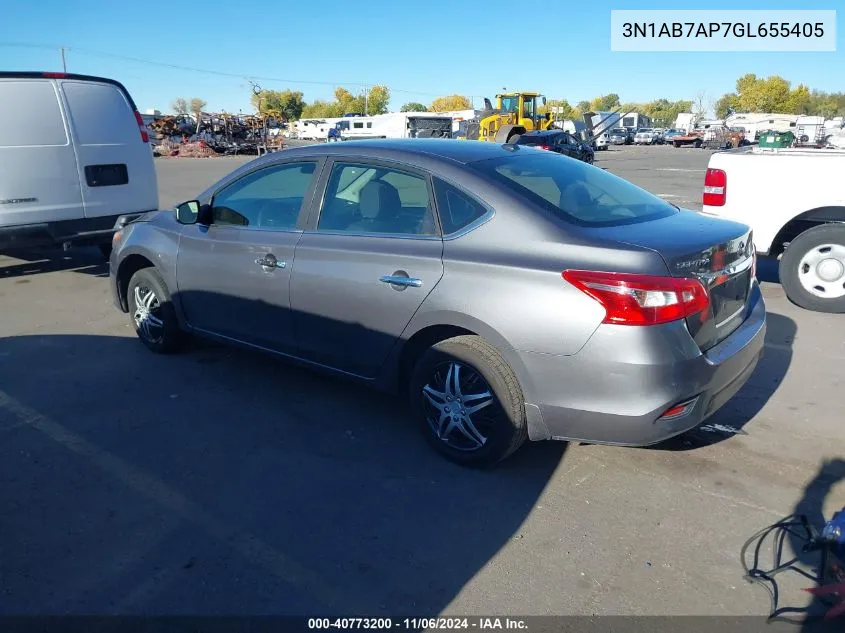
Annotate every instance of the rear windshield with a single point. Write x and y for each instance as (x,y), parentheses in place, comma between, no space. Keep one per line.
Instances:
(534,140)
(573,190)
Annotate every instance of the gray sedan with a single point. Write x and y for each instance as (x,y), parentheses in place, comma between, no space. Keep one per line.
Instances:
(509,293)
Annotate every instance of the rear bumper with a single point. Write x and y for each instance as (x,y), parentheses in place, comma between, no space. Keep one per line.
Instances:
(614,390)
(83,231)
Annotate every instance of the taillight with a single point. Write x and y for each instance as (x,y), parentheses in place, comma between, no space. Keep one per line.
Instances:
(641,299)
(543,147)
(142,127)
(715,187)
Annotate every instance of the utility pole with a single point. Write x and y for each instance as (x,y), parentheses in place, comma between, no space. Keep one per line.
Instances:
(366,101)
(64,63)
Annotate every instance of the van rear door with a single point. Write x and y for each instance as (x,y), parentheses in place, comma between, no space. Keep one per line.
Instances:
(116,166)
(39,181)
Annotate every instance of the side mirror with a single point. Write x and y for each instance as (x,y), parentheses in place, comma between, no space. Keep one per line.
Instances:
(188,212)
(544,100)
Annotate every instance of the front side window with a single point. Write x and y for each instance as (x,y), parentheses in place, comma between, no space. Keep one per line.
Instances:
(375,199)
(574,191)
(268,198)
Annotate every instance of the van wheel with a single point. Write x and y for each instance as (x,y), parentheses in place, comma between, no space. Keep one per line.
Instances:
(812,270)
(152,312)
(468,402)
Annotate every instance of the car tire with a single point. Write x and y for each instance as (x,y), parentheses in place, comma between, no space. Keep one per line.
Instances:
(481,438)
(152,312)
(804,284)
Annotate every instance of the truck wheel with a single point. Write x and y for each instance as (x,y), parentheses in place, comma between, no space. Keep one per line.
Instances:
(468,402)
(698,144)
(812,270)
(676,144)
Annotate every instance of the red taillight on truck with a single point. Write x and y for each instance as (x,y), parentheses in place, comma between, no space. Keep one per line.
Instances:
(641,299)
(145,136)
(715,187)
(546,147)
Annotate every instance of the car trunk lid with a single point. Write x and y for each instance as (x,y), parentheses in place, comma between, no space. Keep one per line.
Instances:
(719,253)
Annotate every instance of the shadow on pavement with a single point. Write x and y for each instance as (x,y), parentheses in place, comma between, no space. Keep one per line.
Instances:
(35,262)
(782,558)
(750,400)
(220,481)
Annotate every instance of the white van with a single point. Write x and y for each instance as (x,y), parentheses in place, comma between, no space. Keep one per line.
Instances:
(75,155)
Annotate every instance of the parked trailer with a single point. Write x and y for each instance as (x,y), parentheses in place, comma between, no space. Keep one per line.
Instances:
(396,125)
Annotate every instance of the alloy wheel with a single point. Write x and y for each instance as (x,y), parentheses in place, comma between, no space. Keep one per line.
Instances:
(458,406)
(147,314)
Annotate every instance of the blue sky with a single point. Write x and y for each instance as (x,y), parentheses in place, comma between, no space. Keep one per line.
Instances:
(420,49)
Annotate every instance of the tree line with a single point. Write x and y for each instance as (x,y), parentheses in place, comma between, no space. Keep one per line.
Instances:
(775,94)
(752,94)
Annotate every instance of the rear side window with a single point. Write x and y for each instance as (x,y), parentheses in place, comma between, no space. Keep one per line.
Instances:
(100,113)
(30,115)
(457,209)
(574,191)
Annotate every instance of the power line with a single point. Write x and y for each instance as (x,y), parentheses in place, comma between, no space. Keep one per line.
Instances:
(207,71)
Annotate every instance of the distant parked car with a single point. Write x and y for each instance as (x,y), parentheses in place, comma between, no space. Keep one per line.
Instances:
(671,133)
(618,136)
(559,141)
(645,136)
(601,142)
(508,293)
(75,155)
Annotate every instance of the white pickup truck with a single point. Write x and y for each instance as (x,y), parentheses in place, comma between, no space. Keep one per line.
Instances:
(794,202)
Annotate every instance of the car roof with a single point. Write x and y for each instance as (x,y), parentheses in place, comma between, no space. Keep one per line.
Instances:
(29,74)
(451,150)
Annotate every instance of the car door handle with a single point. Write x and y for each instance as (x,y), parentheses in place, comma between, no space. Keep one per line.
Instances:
(399,280)
(269,261)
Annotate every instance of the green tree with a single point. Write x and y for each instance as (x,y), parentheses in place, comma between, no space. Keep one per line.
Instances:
(605,102)
(376,102)
(413,106)
(726,104)
(449,103)
(560,109)
(180,106)
(772,94)
(378,99)
(582,106)
(664,112)
(286,104)
(197,105)
(826,104)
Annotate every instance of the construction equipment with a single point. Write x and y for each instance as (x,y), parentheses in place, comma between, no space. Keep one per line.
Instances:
(515,113)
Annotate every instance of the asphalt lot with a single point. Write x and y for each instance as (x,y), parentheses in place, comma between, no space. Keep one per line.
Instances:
(223,482)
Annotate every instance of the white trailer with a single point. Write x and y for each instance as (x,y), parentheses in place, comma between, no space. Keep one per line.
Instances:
(685,121)
(754,122)
(396,125)
(313,129)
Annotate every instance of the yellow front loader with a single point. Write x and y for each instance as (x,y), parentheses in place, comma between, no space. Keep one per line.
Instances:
(515,113)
